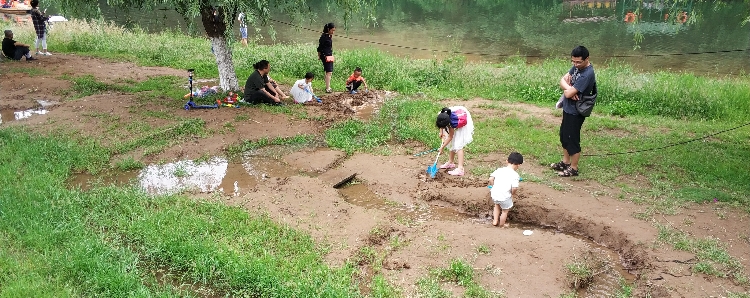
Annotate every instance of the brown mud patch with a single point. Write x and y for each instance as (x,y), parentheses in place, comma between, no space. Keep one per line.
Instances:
(296,188)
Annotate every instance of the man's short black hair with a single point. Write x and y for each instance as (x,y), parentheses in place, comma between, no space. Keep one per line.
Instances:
(580,51)
(358,69)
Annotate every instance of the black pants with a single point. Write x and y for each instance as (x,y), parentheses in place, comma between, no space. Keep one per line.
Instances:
(258,96)
(353,85)
(20,52)
(570,133)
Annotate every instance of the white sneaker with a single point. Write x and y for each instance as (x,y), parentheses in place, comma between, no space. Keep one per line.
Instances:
(47,54)
(39,53)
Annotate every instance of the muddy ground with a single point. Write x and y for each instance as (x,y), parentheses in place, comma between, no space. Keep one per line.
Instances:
(413,222)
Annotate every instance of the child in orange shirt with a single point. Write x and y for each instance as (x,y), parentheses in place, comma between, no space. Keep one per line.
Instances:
(355,80)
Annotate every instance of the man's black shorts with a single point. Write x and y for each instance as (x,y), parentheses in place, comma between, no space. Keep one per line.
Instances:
(570,133)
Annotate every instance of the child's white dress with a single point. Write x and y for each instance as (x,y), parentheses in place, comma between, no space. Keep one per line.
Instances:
(464,135)
(299,94)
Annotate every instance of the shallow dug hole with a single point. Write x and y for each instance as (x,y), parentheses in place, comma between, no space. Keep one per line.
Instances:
(357,193)
(298,182)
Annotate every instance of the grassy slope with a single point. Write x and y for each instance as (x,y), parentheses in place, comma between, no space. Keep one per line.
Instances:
(109,241)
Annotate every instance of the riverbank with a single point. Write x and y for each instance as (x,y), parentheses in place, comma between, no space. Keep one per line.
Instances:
(128,116)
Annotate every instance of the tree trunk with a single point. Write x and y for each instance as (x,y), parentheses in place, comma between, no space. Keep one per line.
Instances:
(227,76)
(213,21)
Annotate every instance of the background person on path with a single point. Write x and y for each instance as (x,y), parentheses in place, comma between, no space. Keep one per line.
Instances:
(243,28)
(579,80)
(15,50)
(456,131)
(325,52)
(504,183)
(256,90)
(40,26)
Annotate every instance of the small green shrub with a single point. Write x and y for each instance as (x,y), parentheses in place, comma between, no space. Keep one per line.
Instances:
(129,164)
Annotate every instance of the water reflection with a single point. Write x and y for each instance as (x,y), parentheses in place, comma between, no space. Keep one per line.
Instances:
(182,175)
(10,115)
(500,28)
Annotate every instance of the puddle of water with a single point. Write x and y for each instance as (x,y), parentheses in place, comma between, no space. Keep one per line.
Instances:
(365,112)
(178,176)
(28,113)
(217,174)
(360,195)
(86,181)
(6,115)
(10,115)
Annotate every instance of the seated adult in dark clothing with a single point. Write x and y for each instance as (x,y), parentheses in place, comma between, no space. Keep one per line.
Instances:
(13,49)
(256,87)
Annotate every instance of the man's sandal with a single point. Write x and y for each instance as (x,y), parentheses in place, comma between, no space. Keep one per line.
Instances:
(569,171)
(560,166)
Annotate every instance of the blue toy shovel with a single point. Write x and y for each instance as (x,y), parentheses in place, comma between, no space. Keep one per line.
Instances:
(313,95)
(433,169)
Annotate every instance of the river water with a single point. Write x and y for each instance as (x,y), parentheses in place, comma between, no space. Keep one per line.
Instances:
(656,37)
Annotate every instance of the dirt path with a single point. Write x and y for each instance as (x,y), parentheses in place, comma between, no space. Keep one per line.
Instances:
(412,222)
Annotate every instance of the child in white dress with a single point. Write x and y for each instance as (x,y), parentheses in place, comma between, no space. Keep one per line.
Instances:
(302,89)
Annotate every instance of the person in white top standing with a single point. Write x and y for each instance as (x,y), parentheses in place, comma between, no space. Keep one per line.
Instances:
(503,185)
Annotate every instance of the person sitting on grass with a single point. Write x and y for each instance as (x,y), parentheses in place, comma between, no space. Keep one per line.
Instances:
(275,87)
(256,88)
(355,80)
(503,185)
(15,50)
(302,89)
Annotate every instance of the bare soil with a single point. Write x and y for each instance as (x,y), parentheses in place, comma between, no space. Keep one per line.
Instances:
(415,223)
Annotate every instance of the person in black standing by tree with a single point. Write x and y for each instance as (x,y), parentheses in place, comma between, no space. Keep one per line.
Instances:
(325,52)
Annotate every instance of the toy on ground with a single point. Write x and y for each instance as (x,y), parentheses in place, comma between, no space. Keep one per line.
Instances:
(191,104)
(202,92)
(433,169)
(229,101)
(313,95)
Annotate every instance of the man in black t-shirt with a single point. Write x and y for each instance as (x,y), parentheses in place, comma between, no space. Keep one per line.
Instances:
(13,49)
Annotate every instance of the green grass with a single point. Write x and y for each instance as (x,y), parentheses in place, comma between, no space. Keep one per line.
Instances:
(623,91)
(107,241)
(459,272)
(670,107)
(129,164)
(713,258)
(159,139)
(381,288)
(86,85)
